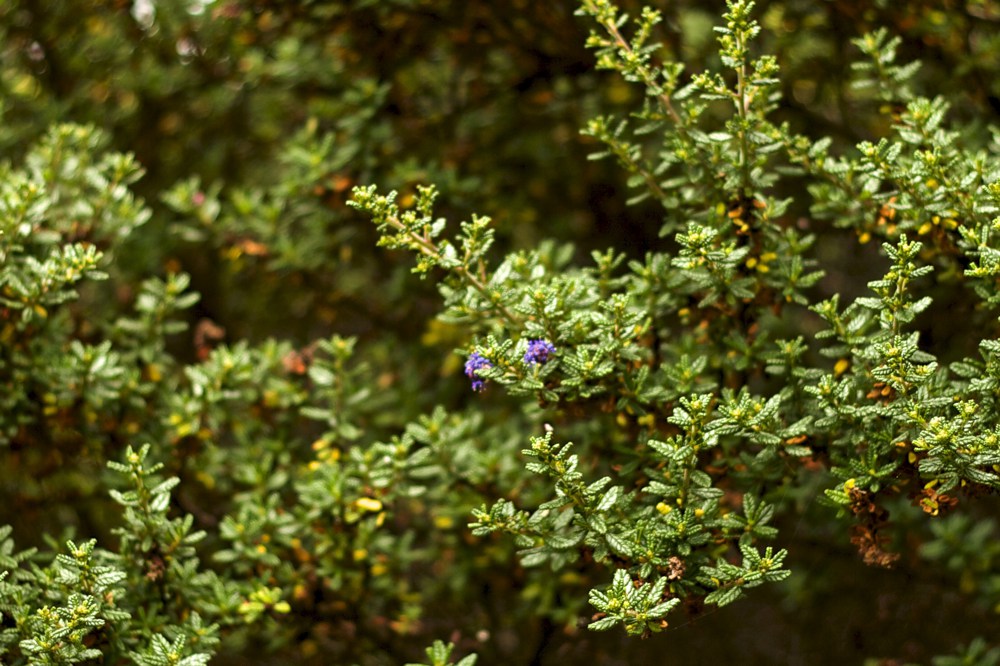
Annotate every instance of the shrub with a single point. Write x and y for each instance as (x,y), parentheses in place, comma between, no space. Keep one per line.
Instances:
(318,461)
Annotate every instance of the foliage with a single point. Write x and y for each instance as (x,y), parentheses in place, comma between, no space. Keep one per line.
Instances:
(231,427)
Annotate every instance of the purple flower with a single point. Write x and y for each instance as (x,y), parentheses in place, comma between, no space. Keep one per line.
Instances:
(475,363)
(539,351)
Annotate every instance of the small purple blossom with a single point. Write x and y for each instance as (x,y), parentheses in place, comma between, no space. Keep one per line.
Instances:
(539,351)
(475,363)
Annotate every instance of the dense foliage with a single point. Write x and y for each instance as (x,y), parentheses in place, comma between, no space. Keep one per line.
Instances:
(721,326)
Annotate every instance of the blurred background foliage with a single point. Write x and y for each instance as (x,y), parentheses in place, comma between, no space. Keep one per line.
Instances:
(253,119)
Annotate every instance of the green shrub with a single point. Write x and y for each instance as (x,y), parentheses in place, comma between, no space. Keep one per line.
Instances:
(233,428)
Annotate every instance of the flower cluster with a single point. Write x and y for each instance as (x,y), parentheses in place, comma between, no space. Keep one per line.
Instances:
(475,363)
(539,351)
